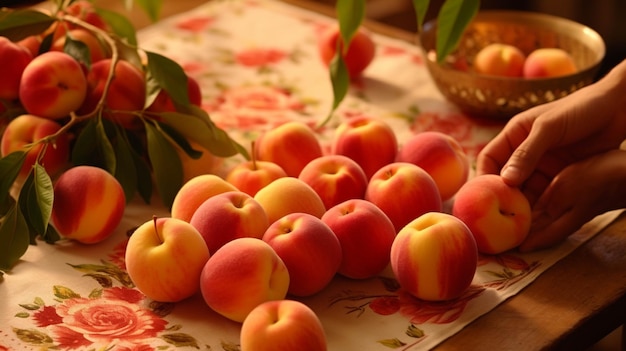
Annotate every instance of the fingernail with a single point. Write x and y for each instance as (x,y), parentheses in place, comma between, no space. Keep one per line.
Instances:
(511,174)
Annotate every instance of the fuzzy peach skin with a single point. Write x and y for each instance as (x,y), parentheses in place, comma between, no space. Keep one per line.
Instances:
(501,60)
(291,146)
(434,257)
(88,204)
(360,53)
(335,178)
(498,215)
(165,257)
(127,92)
(310,250)
(52,85)
(13,60)
(549,62)
(195,191)
(289,195)
(282,325)
(369,142)
(404,192)
(97,51)
(241,275)
(228,216)
(365,234)
(26,129)
(441,156)
(251,176)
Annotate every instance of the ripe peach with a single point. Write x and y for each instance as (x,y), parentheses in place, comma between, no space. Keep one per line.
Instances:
(88,204)
(193,167)
(368,141)
(434,257)
(404,192)
(164,259)
(291,146)
(127,92)
(52,85)
(500,59)
(498,215)
(97,51)
(164,103)
(228,216)
(335,178)
(251,176)
(241,275)
(26,129)
(13,60)
(549,62)
(32,43)
(365,234)
(195,191)
(282,325)
(289,195)
(309,248)
(359,55)
(441,156)
(86,11)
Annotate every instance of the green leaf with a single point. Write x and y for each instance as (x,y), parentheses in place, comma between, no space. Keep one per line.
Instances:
(170,76)
(392,343)
(14,238)
(125,172)
(78,50)
(151,7)
(10,167)
(105,148)
(198,127)
(63,292)
(144,177)
(51,236)
(120,25)
(19,24)
(340,80)
(85,146)
(27,202)
(350,14)
(181,141)
(453,18)
(44,194)
(421,8)
(166,165)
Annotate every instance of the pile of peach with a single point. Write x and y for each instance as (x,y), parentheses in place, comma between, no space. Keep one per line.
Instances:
(506,60)
(285,223)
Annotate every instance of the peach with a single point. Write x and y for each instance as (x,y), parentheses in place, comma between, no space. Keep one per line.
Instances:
(289,195)
(32,43)
(86,11)
(241,275)
(441,156)
(282,325)
(549,62)
(335,178)
(359,55)
(88,204)
(52,85)
(97,51)
(164,259)
(404,192)
(26,129)
(369,142)
(291,146)
(253,175)
(164,103)
(365,234)
(126,94)
(310,250)
(498,215)
(228,216)
(195,191)
(501,60)
(434,257)
(13,60)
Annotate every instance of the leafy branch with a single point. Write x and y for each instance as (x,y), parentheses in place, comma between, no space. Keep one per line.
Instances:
(452,19)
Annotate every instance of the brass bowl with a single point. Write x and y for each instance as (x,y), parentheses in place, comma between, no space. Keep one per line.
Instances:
(501,97)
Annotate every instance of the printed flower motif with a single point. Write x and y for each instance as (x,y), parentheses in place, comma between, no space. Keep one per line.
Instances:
(257,57)
(439,312)
(195,24)
(385,305)
(254,106)
(453,124)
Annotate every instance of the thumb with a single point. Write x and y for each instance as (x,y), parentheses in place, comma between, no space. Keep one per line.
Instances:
(525,158)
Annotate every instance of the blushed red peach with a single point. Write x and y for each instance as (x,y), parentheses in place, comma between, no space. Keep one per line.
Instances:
(359,55)
(549,62)
(289,195)
(195,191)
(501,60)
(13,60)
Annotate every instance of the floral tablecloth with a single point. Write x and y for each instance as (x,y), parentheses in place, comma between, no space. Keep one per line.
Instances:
(258,66)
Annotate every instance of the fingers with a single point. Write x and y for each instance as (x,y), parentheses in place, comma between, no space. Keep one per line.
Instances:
(547,231)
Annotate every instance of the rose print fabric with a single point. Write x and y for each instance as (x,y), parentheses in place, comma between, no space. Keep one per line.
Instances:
(258,66)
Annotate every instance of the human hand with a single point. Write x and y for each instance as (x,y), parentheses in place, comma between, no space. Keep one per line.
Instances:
(576,195)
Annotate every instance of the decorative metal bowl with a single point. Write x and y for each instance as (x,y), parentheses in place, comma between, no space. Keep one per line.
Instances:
(501,98)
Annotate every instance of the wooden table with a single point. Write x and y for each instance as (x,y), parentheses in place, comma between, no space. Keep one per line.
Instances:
(570,307)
